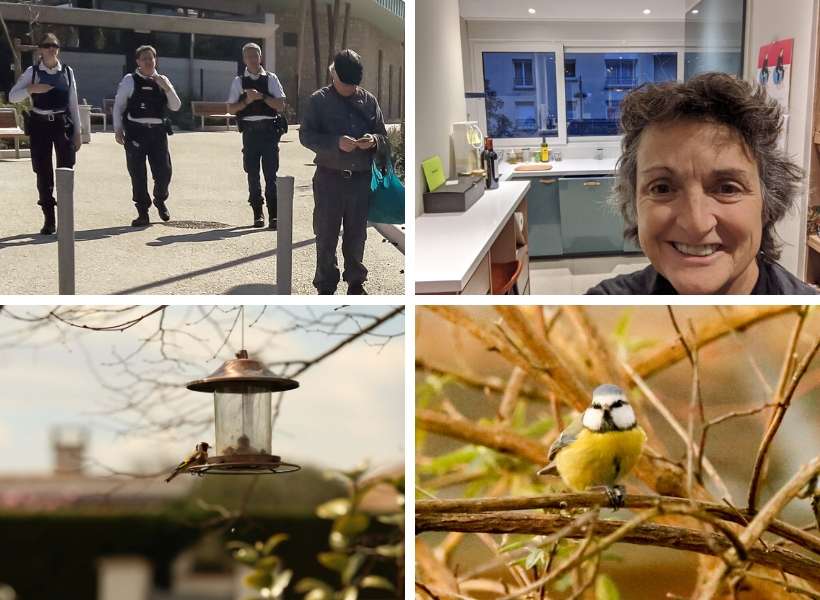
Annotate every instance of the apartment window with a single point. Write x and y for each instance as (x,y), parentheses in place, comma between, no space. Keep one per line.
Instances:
(218,47)
(522,73)
(290,39)
(525,116)
(602,80)
(620,72)
(520,94)
(569,69)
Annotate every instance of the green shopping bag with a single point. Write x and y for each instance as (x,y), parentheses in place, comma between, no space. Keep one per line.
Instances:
(386,196)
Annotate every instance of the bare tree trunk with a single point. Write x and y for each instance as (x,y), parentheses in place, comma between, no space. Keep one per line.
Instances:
(379,80)
(316,54)
(346,23)
(332,18)
(300,60)
(18,64)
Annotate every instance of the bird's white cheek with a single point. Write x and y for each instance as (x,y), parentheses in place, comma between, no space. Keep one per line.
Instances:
(623,417)
(592,419)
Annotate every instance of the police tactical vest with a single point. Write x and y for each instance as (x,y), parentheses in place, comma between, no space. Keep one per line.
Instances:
(55,99)
(257,108)
(148,100)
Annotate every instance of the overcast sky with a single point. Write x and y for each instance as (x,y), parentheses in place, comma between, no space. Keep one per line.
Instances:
(348,408)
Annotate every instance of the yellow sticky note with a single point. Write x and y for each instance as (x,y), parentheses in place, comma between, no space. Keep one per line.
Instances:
(433,172)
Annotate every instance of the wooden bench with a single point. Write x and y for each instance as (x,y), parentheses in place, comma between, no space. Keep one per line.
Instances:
(211,110)
(10,129)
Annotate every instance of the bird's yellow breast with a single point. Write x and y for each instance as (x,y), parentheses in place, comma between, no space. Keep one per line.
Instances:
(599,458)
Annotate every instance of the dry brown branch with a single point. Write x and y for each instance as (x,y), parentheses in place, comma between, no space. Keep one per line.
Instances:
(677,427)
(564,567)
(511,394)
(709,330)
(435,573)
(783,401)
(599,354)
(572,391)
(497,438)
(483,381)
(632,501)
(636,531)
(751,534)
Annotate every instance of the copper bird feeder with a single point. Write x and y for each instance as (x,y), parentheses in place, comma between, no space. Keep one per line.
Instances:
(242,389)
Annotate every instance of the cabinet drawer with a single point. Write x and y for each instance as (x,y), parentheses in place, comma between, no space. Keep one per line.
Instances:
(544,216)
(588,223)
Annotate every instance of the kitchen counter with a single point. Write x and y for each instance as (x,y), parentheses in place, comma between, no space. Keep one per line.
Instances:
(450,246)
(563,168)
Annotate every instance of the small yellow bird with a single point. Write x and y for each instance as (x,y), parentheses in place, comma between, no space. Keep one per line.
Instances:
(199,457)
(599,447)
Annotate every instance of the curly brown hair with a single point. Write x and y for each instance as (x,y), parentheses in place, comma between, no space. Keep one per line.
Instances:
(714,98)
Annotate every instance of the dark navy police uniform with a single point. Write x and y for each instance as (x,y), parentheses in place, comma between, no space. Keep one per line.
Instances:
(262,128)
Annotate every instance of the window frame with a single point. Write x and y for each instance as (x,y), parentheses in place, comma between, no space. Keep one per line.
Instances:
(478,49)
(678,49)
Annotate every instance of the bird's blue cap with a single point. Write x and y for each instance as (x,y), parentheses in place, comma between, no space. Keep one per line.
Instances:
(607,389)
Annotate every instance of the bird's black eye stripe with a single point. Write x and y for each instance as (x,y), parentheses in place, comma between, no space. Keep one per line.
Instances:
(618,404)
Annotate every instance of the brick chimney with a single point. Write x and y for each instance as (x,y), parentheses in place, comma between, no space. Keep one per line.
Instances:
(69,444)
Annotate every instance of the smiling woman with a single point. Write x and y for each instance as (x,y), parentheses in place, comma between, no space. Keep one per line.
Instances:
(701,186)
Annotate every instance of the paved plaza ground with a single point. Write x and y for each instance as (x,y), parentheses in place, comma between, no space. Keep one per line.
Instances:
(208,247)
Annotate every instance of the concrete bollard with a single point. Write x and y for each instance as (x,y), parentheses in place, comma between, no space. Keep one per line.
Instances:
(65,229)
(284,234)
(85,123)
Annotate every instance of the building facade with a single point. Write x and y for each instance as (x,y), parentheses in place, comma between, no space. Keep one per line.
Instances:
(199,43)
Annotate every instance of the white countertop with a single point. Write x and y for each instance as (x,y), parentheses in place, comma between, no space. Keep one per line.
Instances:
(562,168)
(449,246)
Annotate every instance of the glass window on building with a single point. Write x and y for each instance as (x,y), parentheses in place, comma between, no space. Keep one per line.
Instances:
(290,39)
(520,94)
(600,82)
(220,47)
(175,45)
(123,6)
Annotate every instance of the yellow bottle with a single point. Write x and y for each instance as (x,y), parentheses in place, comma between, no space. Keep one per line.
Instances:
(545,150)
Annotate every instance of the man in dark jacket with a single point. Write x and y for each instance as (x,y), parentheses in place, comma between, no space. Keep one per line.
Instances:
(343,125)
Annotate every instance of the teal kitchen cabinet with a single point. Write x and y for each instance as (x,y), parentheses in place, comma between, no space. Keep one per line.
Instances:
(544,217)
(589,225)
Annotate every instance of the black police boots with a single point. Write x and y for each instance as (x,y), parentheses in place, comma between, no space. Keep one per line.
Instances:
(271,220)
(258,218)
(142,219)
(50,222)
(162,210)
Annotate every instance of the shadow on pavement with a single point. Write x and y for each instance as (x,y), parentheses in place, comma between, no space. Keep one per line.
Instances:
(210,235)
(34,239)
(252,288)
(226,265)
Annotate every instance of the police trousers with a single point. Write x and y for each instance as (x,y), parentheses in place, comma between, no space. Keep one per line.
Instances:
(147,142)
(260,145)
(340,198)
(45,135)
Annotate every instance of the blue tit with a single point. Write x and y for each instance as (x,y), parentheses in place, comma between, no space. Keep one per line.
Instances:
(199,457)
(599,447)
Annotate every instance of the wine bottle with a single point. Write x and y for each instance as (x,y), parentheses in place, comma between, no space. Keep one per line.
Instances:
(489,162)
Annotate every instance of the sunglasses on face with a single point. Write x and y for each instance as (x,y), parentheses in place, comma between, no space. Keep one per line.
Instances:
(49,45)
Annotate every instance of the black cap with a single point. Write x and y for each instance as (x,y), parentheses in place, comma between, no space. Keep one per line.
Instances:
(348,67)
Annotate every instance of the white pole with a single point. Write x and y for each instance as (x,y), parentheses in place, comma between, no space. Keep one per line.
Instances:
(65,229)
(284,234)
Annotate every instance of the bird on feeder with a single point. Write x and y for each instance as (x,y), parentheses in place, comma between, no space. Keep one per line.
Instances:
(199,457)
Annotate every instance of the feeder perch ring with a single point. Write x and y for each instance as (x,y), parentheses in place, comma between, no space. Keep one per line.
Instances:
(245,464)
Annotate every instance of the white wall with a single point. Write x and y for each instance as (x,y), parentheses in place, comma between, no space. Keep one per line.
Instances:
(124,578)
(439,85)
(97,74)
(768,21)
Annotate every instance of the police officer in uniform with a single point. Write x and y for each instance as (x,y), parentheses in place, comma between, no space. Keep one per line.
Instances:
(140,124)
(258,100)
(343,125)
(54,120)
